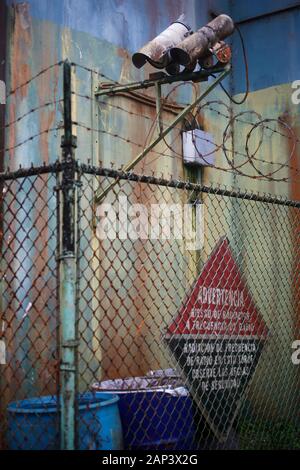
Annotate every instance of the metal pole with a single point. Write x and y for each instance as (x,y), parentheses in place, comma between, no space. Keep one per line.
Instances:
(158,108)
(179,117)
(67,272)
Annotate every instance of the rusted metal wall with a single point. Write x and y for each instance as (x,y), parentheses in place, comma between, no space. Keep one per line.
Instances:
(103,35)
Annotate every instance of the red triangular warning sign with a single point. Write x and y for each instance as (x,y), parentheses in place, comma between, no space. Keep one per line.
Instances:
(220,302)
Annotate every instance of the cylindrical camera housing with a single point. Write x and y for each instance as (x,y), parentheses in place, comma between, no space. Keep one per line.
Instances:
(156,51)
(196,45)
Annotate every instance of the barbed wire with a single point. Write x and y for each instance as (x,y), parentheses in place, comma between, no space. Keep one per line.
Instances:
(178,155)
(228,116)
(201,107)
(31,138)
(248,158)
(31,111)
(218,188)
(111,105)
(235,118)
(115,135)
(34,77)
(238,160)
(91,70)
(260,123)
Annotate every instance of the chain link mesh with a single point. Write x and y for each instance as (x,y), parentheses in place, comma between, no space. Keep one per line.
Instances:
(29,308)
(129,291)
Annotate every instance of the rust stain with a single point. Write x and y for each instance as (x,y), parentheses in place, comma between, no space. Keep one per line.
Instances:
(295,195)
(47,92)
(47,88)
(123,53)
(12,133)
(21,47)
(145,98)
(294,168)
(21,42)
(125,74)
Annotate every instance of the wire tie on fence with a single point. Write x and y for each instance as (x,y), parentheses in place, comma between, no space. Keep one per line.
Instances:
(67,367)
(72,343)
(65,255)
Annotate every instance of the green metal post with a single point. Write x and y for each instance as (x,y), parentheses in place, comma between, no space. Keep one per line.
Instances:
(158,108)
(68,271)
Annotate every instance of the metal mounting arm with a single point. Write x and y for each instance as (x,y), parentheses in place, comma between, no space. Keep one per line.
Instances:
(101,195)
(162,79)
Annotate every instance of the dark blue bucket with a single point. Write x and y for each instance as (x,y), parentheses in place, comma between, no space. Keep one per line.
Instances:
(152,418)
(33,423)
(155,420)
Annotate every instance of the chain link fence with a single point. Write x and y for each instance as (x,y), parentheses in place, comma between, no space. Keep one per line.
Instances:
(135,283)
(137,291)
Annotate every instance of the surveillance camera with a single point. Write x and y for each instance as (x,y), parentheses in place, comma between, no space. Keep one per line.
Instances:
(156,51)
(198,44)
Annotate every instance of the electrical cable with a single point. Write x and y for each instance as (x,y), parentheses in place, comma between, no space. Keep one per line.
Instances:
(246,73)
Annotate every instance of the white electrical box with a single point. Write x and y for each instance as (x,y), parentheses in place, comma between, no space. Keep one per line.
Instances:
(198,148)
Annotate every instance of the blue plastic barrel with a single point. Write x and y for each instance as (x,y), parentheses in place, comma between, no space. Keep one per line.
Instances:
(33,423)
